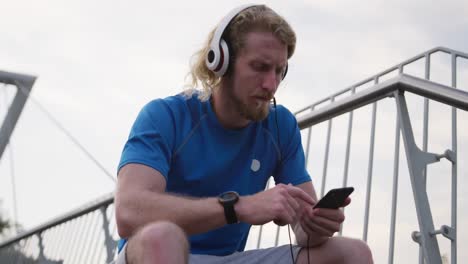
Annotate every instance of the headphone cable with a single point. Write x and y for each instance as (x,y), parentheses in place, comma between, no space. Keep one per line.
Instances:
(279,144)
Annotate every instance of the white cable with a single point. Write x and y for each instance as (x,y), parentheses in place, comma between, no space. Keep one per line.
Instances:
(67,133)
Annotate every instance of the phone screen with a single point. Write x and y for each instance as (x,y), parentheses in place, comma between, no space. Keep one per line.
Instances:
(335,198)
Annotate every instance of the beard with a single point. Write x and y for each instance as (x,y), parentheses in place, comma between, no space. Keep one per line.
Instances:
(254,112)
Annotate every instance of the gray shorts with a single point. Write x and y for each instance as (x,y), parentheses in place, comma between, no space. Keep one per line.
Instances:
(281,254)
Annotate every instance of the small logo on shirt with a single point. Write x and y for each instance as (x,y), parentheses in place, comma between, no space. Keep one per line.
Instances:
(255,165)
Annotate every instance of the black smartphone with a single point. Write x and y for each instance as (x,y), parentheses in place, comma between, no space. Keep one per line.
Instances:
(335,198)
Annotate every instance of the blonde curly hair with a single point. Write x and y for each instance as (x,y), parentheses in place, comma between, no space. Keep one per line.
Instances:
(255,18)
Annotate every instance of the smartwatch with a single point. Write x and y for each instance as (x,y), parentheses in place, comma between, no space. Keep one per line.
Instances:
(228,200)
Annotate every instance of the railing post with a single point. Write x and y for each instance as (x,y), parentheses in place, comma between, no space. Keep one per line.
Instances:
(110,243)
(417,161)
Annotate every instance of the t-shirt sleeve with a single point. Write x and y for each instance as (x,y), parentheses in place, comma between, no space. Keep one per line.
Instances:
(291,168)
(151,138)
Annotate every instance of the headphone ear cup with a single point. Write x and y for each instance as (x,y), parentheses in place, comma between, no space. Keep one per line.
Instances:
(212,58)
(224,59)
(217,59)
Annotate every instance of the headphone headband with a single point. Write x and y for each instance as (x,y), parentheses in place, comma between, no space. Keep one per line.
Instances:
(217,59)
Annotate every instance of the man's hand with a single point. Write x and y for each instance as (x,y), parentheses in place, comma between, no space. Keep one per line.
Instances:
(281,204)
(321,222)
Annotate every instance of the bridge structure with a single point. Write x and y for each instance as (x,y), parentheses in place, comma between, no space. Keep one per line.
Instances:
(406,200)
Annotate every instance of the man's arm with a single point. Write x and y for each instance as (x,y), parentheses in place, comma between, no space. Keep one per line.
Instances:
(141,199)
(316,225)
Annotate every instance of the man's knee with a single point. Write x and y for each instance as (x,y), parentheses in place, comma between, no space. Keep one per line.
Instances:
(158,239)
(162,234)
(362,251)
(339,250)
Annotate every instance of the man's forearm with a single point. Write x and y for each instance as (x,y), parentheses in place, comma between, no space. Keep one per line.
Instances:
(192,215)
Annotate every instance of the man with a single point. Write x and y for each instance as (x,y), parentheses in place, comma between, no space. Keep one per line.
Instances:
(196,164)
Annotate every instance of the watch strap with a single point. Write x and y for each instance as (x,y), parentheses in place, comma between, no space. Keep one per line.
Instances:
(230,214)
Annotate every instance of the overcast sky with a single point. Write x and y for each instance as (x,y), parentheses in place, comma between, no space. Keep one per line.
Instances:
(99,62)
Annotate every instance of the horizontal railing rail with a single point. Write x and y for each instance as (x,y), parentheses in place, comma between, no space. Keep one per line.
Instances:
(83,210)
(427,89)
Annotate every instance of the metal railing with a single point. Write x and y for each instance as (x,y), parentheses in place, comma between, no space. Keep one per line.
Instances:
(23,83)
(88,235)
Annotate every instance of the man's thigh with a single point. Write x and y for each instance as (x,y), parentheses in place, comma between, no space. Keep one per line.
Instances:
(281,254)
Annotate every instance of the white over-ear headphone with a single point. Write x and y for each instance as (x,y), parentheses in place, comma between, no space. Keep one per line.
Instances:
(217,59)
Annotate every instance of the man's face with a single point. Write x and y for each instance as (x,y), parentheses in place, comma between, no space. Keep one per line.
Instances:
(258,70)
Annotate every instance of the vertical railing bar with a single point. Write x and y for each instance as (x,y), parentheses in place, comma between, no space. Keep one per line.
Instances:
(108,240)
(86,237)
(277,233)
(97,242)
(73,238)
(261,226)
(103,212)
(427,75)
(453,244)
(396,162)
(259,236)
(327,151)
(80,240)
(348,150)
(309,132)
(59,240)
(48,240)
(65,240)
(427,70)
(25,249)
(103,249)
(114,224)
(67,229)
(71,241)
(29,250)
(93,241)
(370,169)
(76,239)
(21,246)
(41,247)
(309,135)
(46,237)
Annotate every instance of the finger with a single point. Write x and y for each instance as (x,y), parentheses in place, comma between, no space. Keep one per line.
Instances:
(284,212)
(292,209)
(310,227)
(347,201)
(335,215)
(325,223)
(298,193)
(293,203)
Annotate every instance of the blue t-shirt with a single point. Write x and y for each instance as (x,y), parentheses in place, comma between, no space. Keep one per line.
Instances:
(181,137)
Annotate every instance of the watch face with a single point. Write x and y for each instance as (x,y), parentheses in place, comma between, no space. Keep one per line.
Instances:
(229,196)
